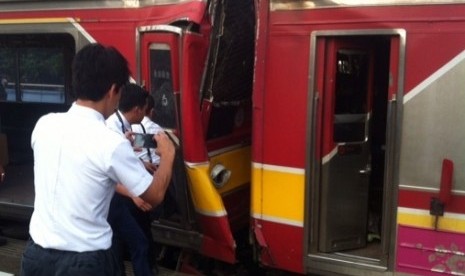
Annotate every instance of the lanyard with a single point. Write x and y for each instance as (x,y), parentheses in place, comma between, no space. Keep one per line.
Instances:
(148,150)
(123,129)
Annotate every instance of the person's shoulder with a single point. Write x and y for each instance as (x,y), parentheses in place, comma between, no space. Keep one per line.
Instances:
(111,118)
(113,123)
(52,118)
(113,135)
(109,137)
(152,127)
(50,122)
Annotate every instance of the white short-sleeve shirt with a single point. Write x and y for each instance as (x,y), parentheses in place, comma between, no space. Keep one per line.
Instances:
(118,123)
(151,128)
(77,163)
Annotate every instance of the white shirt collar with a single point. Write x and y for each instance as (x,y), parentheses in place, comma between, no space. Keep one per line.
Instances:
(85,111)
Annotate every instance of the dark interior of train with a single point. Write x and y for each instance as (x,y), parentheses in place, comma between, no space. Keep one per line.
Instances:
(17,121)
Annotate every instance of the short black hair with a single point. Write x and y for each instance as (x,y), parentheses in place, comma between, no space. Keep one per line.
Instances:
(132,95)
(150,104)
(95,69)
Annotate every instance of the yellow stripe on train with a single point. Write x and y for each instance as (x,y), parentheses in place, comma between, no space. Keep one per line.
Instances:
(422,218)
(278,194)
(35,20)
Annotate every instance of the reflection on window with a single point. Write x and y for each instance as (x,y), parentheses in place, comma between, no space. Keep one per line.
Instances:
(351,96)
(35,68)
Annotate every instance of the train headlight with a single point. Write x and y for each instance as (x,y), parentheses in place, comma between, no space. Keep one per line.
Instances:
(220,175)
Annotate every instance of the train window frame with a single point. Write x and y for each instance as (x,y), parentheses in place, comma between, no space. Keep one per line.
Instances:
(42,64)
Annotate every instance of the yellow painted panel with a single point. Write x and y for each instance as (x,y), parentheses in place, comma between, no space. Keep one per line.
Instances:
(415,220)
(278,194)
(256,192)
(427,221)
(206,198)
(455,225)
(238,162)
(34,20)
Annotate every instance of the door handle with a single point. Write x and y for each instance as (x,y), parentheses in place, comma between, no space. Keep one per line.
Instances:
(365,171)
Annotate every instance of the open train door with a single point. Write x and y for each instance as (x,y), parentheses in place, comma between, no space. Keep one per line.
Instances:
(352,160)
(346,166)
(159,58)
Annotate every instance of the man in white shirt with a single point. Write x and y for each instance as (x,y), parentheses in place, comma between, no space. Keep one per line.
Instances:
(169,206)
(77,163)
(128,215)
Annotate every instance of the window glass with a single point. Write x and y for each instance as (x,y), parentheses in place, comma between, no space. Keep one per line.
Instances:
(351,91)
(35,67)
(42,75)
(7,74)
(162,85)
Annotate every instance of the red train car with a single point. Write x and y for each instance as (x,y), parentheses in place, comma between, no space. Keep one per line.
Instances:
(356,134)
(188,56)
(323,133)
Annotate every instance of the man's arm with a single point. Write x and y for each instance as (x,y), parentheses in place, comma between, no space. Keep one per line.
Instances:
(162,176)
(139,202)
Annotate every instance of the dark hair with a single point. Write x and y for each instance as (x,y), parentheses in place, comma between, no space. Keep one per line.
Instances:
(95,69)
(132,95)
(150,104)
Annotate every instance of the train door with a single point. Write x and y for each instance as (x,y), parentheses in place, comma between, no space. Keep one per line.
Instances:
(351,187)
(346,167)
(159,59)
(160,74)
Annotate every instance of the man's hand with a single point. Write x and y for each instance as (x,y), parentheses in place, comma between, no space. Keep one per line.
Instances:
(155,193)
(130,136)
(141,204)
(151,168)
(165,148)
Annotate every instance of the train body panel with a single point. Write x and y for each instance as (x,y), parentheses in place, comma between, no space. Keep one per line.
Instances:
(376,158)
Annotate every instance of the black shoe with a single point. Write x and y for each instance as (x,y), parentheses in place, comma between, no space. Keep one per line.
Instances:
(2,241)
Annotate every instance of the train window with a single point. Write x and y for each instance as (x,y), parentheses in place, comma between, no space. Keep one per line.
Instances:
(351,82)
(351,94)
(36,67)
(228,81)
(162,85)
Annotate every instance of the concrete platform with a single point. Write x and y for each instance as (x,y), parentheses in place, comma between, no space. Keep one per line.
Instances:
(10,256)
